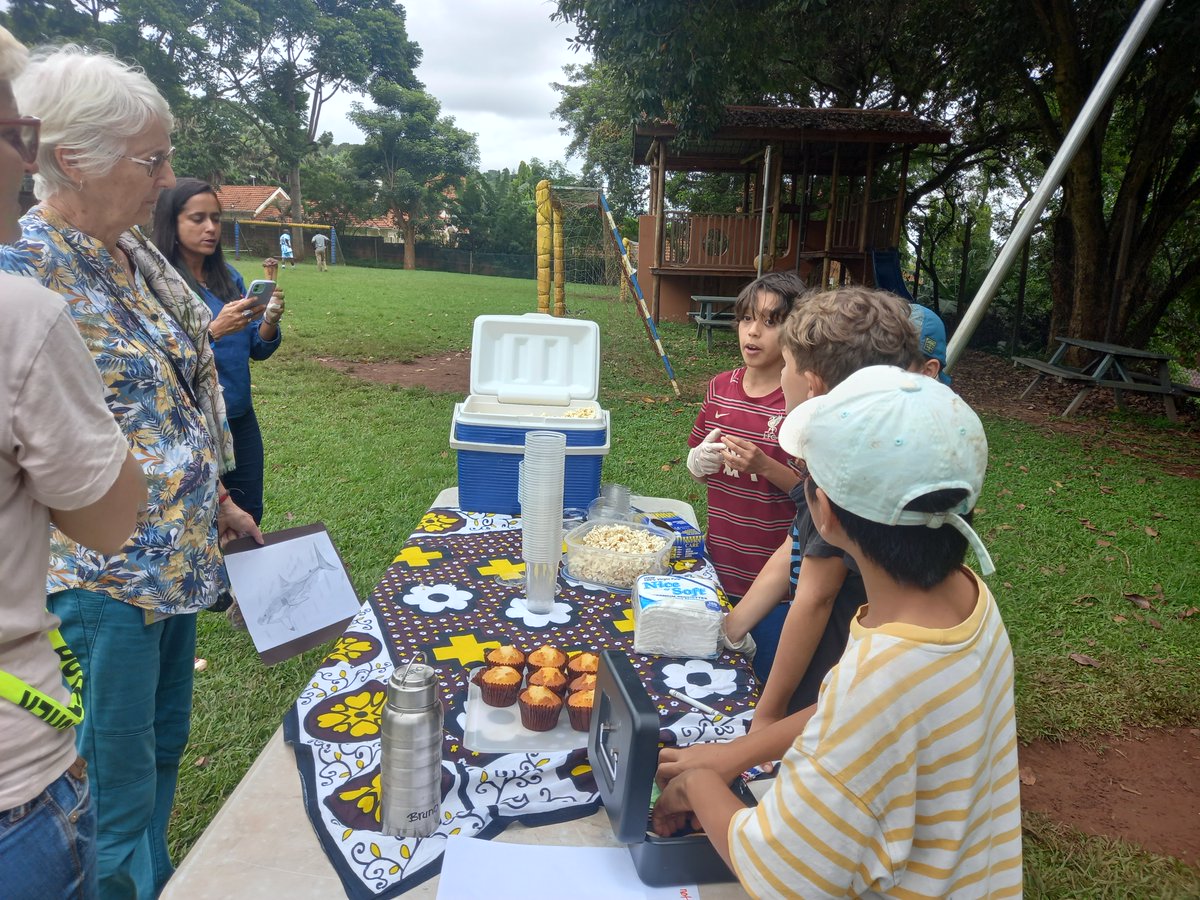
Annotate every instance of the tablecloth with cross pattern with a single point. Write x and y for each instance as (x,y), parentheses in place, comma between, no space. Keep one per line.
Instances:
(445,594)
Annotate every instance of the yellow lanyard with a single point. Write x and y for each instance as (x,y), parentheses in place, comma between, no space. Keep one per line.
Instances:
(49,710)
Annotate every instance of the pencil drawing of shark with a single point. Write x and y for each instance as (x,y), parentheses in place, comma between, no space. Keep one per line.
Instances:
(291,593)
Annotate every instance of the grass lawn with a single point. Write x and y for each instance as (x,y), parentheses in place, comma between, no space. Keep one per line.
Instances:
(1074,527)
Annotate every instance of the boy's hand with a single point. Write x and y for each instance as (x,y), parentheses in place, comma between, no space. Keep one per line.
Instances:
(705,458)
(674,762)
(745,646)
(673,811)
(741,455)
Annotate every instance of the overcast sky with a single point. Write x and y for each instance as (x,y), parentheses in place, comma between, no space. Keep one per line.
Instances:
(490,64)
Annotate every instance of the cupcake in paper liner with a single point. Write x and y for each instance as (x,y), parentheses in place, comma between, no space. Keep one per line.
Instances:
(579,709)
(585,663)
(549,678)
(500,686)
(540,708)
(582,683)
(547,656)
(508,655)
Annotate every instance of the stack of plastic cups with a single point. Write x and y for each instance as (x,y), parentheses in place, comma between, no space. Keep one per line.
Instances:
(541,495)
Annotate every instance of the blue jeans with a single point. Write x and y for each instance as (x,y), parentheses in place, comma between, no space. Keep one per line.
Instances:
(48,845)
(245,483)
(137,698)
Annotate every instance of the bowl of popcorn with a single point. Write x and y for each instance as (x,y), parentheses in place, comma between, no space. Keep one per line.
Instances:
(612,553)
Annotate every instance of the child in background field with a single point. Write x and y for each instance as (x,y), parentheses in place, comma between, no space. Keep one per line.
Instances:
(735,447)
(904,781)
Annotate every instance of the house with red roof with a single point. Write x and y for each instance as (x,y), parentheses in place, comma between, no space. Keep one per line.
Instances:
(263,202)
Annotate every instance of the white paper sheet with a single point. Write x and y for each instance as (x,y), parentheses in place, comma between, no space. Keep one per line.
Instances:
(473,868)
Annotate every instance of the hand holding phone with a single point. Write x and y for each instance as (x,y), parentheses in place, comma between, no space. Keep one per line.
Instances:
(260,291)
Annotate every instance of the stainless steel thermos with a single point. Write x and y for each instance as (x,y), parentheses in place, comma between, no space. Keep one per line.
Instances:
(411,767)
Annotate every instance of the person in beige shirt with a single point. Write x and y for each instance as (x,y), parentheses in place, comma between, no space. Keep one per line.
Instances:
(63,459)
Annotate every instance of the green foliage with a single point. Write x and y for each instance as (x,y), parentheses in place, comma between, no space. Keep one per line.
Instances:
(335,193)
(597,113)
(416,157)
(1009,80)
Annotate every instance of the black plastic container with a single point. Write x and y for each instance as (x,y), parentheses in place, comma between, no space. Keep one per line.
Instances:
(623,751)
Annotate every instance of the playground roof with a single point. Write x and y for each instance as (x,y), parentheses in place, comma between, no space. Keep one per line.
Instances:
(805,135)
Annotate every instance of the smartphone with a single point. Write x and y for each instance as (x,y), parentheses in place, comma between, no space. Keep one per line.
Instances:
(260,291)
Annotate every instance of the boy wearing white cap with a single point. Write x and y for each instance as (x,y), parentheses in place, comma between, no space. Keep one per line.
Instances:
(904,781)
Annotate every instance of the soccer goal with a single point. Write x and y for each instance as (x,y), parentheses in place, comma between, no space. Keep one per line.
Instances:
(260,237)
(575,250)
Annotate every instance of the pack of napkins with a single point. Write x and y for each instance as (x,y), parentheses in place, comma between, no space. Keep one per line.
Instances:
(676,615)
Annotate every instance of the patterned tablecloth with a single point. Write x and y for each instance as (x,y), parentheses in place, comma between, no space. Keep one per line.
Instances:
(441,595)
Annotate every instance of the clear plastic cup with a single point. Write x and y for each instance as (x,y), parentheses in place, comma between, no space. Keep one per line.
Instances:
(541,585)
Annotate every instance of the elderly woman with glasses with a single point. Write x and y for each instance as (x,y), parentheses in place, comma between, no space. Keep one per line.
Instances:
(105,155)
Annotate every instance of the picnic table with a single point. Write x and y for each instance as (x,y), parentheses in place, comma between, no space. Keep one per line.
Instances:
(449,593)
(1107,366)
(712,312)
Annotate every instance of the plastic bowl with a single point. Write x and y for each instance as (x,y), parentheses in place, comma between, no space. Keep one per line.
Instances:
(610,566)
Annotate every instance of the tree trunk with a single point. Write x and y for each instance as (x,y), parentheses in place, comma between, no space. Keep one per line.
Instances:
(1062,269)
(297,210)
(965,265)
(410,244)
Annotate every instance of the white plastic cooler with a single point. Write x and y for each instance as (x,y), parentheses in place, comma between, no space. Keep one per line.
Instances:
(527,373)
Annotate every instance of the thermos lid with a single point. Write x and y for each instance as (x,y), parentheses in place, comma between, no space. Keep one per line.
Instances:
(412,686)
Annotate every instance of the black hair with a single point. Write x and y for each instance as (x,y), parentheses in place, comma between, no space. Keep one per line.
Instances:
(914,555)
(786,287)
(166,237)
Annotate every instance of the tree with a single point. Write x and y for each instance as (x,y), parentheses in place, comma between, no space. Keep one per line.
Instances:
(247,80)
(335,191)
(417,158)
(1007,78)
(597,113)
(283,59)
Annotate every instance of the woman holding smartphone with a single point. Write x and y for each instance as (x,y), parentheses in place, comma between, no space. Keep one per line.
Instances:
(187,229)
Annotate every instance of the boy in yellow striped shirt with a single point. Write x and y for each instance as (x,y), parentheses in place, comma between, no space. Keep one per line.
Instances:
(903,782)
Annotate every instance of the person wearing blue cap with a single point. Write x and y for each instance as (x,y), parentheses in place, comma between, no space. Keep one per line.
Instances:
(931,333)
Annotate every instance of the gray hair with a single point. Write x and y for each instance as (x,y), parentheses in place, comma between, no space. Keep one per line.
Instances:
(13,56)
(90,103)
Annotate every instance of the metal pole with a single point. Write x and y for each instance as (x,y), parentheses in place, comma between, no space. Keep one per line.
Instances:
(1083,124)
(766,195)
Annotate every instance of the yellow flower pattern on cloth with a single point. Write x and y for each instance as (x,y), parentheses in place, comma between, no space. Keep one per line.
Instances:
(435,522)
(358,714)
(365,798)
(349,648)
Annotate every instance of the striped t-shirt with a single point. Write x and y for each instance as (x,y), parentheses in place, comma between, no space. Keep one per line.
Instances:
(904,782)
(747,519)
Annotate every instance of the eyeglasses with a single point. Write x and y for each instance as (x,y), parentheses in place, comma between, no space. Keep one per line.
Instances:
(22,134)
(155,163)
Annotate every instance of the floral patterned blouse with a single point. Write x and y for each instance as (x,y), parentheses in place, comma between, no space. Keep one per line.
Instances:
(172,563)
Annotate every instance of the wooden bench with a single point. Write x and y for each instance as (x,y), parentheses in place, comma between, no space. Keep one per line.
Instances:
(707,324)
(1093,377)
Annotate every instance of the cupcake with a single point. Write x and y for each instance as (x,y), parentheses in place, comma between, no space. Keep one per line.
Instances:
(584,663)
(547,656)
(582,683)
(500,686)
(540,708)
(579,709)
(508,655)
(549,678)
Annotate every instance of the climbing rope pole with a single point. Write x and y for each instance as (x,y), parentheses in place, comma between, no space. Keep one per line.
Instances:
(631,275)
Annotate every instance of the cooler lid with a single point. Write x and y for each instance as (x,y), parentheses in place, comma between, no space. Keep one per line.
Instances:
(623,746)
(535,358)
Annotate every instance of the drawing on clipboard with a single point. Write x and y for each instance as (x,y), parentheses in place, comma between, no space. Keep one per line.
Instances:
(290,593)
(294,591)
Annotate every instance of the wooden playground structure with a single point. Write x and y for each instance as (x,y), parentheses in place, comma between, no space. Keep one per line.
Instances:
(823,194)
